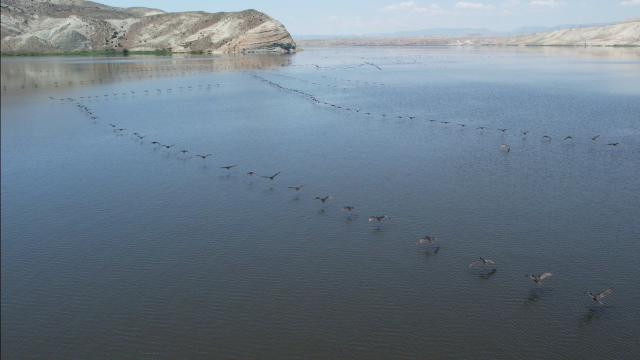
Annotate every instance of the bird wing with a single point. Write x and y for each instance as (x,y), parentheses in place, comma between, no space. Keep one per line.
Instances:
(545,275)
(529,276)
(604,293)
(372,218)
(477,262)
(489,261)
(426,239)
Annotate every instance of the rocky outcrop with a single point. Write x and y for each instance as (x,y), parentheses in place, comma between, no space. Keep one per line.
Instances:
(625,33)
(74,25)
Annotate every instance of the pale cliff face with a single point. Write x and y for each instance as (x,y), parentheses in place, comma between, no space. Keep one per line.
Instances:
(72,25)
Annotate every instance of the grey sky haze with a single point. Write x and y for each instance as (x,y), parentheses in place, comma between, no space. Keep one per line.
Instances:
(334,17)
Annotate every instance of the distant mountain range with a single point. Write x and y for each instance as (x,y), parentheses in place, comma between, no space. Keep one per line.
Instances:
(625,33)
(453,32)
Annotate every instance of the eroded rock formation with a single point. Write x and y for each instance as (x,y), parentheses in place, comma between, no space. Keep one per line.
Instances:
(74,25)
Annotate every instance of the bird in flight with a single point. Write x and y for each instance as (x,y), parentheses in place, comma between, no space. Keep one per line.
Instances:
(379,218)
(348,208)
(595,137)
(599,296)
(270,177)
(545,137)
(503,130)
(228,167)
(525,132)
(323,199)
(425,239)
(538,278)
(568,137)
(613,144)
(251,173)
(184,151)
(481,261)
(506,146)
(203,156)
(297,188)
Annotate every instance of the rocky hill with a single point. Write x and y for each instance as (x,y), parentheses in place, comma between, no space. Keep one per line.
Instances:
(626,33)
(76,25)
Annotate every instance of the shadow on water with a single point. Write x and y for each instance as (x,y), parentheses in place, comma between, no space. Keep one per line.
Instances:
(484,274)
(294,200)
(536,294)
(428,251)
(270,191)
(593,313)
(377,231)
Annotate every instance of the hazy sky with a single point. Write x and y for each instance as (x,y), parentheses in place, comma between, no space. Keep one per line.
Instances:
(344,17)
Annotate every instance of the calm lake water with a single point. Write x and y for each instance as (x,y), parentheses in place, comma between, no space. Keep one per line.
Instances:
(113,247)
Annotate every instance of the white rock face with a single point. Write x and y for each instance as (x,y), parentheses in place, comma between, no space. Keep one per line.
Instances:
(624,33)
(72,25)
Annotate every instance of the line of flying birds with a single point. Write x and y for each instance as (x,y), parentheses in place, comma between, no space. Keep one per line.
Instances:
(427,239)
(311,97)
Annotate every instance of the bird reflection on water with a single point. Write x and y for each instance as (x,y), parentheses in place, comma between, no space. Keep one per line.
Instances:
(593,313)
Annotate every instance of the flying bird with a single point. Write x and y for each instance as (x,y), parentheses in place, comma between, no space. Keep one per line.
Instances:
(613,144)
(251,173)
(228,167)
(525,132)
(481,261)
(545,137)
(538,278)
(595,137)
(203,156)
(425,239)
(297,188)
(379,218)
(348,208)
(599,296)
(270,177)
(505,146)
(323,199)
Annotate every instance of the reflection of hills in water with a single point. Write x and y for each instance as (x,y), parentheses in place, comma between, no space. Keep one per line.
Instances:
(29,73)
